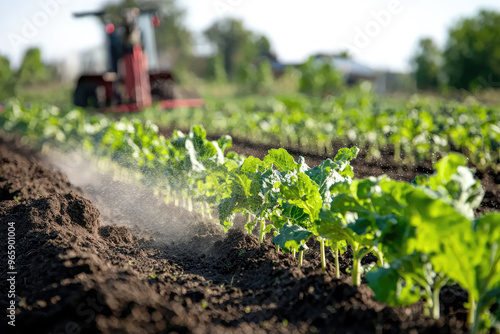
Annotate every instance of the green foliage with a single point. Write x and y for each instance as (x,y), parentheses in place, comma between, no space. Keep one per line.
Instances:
(427,65)
(301,191)
(256,79)
(7,80)
(423,233)
(172,35)
(406,281)
(455,184)
(292,238)
(472,53)
(468,253)
(417,130)
(281,159)
(235,44)
(216,70)
(32,69)
(265,76)
(319,78)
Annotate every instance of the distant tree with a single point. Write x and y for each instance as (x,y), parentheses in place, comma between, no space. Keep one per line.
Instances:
(256,78)
(236,44)
(229,38)
(216,70)
(318,76)
(173,37)
(344,54)
(426,65)
(265,77)
(472,53)
(5,70)
(7,80)
(262,45)
(32,70)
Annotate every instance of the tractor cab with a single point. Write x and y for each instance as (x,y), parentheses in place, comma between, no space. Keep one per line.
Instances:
(133,79)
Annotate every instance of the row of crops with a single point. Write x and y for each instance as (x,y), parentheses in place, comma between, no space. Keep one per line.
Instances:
(420,129)
(424,234)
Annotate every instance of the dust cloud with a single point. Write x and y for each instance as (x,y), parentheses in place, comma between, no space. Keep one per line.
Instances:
(135,206)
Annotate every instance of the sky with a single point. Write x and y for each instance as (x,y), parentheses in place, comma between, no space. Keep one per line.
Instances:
(382,34)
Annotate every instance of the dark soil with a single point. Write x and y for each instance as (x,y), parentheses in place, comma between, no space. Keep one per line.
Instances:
(77,275)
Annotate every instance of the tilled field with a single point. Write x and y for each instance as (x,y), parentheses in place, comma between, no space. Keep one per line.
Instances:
(145,267)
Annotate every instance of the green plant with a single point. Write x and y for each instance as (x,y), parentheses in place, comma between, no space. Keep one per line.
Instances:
(423,234)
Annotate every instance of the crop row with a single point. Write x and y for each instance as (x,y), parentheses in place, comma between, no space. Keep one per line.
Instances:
(424,234)
(418,130)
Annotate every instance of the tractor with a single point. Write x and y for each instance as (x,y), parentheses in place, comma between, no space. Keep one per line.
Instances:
(132,80)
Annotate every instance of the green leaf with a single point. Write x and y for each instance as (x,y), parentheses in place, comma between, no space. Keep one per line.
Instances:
(281,159)
(344,203)
(330,226)
(303,193)
(325,175)
(454,182)
(250,226)
(347,172)
(251,165)
(226,208)
(391,288)
(294,214)
(448,165)
(225,142)
(194,164)
(230,165)
(346,154)
(292,237)
(398,190)
(435,220)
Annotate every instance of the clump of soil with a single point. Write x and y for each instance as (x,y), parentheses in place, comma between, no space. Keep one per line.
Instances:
(23,178)
(118,235)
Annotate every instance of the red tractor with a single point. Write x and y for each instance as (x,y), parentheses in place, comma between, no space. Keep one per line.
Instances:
(131,82)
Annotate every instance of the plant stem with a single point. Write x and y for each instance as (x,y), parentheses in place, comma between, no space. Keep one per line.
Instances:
(438,284)
(356,269)
(261,232)
(472,316)
(208,210)
(337,266)
(323,257)
(477,321)
(397,151)
(294,251)
(277,248)
(435,303)
(380,258)
(301,257)
(202,209)
(247,215)
(356,272)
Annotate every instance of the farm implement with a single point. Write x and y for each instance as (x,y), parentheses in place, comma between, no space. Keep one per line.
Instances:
(132,80)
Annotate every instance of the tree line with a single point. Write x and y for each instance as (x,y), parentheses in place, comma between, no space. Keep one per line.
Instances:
(470,59)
